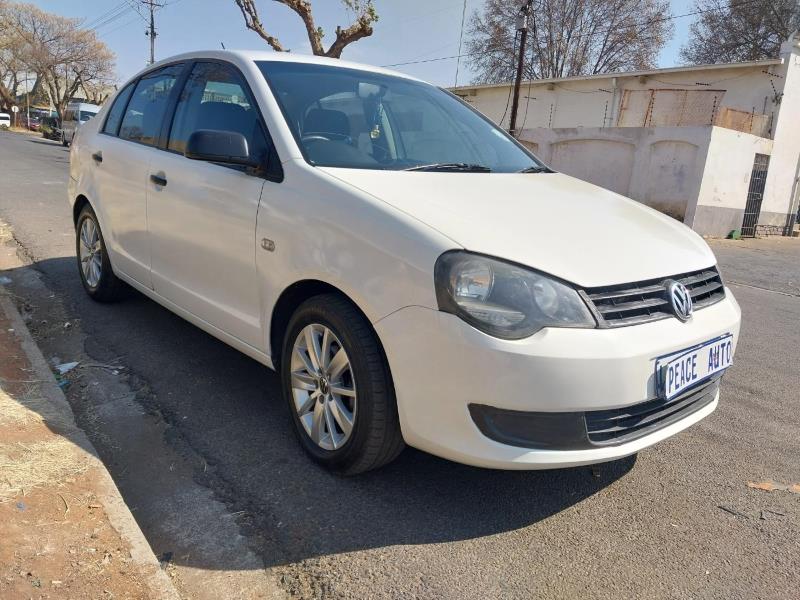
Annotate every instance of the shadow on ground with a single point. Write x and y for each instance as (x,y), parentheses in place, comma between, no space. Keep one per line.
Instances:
(47,142)
(223,416)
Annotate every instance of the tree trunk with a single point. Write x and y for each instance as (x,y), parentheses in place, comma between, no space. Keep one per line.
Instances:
(6,99)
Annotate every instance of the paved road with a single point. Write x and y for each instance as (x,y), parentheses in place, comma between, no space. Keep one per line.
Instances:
(201,421)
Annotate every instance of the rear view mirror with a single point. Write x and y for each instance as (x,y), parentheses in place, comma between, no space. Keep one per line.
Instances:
(228,147)
(371,90)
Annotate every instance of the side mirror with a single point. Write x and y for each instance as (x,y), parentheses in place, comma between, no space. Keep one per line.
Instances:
(228,147)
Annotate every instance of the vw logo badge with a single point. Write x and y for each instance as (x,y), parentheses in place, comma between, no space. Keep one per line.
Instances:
(680,299)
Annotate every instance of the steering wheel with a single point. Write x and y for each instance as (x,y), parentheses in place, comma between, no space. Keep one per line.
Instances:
(326,136)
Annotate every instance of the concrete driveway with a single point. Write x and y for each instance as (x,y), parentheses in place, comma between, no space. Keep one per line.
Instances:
(198,439)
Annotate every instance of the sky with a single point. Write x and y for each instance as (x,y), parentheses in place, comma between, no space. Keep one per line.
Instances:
(408,30)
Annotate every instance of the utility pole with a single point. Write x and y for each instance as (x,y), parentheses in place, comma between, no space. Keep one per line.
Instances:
(522,27)
(151,33)
(27,99)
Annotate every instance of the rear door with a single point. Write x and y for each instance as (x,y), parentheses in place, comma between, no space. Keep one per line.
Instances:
(122,154)
(202,216)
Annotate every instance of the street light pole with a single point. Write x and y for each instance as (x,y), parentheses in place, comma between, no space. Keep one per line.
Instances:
(522,27)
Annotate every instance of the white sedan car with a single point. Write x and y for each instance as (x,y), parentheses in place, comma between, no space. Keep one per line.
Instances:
(414,274)
(5,119)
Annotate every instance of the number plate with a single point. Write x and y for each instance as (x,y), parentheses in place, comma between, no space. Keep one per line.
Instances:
(682,370)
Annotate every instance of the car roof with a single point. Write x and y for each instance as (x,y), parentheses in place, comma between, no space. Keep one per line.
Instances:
(268,55)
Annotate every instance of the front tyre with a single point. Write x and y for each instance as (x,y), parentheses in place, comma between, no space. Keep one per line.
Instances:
(94,266)
(337,385)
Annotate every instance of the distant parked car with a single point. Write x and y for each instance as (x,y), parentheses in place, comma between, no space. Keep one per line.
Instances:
(51,128)
(76,115)
(5,120)
(34,123)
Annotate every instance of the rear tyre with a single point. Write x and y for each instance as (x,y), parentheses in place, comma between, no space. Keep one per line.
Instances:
(94,266)
(338,387)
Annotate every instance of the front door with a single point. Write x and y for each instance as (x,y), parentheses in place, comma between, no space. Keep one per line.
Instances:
(202,216)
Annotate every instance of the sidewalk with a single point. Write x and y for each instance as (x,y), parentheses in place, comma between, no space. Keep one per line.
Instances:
(65,531)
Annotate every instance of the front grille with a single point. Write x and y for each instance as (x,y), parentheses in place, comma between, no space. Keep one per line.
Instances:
(620,425)
(644,301)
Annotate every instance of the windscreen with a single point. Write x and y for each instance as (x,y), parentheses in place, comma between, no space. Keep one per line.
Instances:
(359,119)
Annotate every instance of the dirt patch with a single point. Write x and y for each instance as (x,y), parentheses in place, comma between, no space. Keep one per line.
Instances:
(55,536)
(43,463)
(58,543)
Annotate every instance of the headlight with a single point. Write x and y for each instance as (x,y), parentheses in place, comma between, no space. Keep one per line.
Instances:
(504,299)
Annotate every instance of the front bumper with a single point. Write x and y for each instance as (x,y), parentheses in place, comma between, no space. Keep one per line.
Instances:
(441,365)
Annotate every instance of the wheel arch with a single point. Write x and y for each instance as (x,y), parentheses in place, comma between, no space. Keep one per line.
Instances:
(290,299)
(80,202)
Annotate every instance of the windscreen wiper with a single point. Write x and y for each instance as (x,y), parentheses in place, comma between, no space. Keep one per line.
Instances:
(454,167)
(535,169)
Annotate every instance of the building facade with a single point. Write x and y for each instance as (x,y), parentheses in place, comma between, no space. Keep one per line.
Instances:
(716,146)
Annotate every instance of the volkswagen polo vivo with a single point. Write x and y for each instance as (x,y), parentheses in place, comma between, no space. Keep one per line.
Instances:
(414,274)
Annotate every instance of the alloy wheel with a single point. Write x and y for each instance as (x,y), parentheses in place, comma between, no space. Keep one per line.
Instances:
(91,252)
(323,387)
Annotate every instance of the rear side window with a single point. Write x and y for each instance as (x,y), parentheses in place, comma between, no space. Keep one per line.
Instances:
(145,111)
(216,97)
(115,114)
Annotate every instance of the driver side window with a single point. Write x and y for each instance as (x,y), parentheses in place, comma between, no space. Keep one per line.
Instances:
(215,97)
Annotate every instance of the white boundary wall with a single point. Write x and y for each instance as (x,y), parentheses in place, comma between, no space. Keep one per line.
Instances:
(698,175)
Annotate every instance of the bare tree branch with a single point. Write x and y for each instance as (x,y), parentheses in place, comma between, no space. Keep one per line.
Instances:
(8,57)
(735,31)
(303,10)
(361,27)
(253,22)
(63,56)
(568,37)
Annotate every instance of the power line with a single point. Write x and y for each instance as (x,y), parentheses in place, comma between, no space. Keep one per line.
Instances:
(432,51)
(579,36)
(134,4)
(461,39)
(110,18)
(110,31)
(93,22)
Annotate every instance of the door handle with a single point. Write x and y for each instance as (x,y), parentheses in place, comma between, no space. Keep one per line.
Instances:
(97,157)
(158,180)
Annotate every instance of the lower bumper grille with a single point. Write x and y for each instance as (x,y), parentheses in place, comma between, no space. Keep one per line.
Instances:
(586,430)
(620,425)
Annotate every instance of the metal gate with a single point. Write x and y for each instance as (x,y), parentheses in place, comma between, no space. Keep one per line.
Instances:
(755,195)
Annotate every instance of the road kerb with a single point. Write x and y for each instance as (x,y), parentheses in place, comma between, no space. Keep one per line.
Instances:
(117,512)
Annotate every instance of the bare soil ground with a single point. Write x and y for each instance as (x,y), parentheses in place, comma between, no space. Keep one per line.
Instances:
(55,537)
